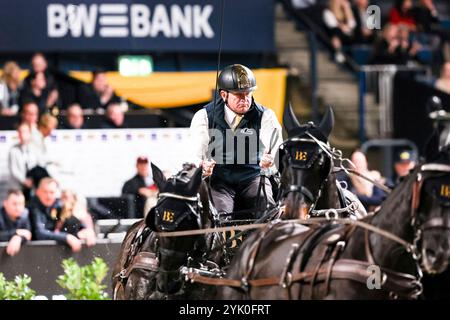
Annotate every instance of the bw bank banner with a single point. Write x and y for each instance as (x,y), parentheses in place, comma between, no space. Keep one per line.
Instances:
(157,25)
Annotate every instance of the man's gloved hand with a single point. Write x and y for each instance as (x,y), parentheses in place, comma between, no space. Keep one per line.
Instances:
(266,161)
(208,166)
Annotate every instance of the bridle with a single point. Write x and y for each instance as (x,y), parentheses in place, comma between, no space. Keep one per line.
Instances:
(324,148)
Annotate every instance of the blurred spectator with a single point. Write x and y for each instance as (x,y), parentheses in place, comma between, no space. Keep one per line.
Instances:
(47,123)
(404,161)
(338,18)
(115,117)
(14,224)
(429,31)
(74,212)
(38,93)
(10,85)
(30,117)
(426,16)
(39,64)
(49,221)
(401,13)
(302,4)
(369,195)
(74,118)
(23,158)
(362,34)
(443,83)
(99,94)
(142,187)
(394,47)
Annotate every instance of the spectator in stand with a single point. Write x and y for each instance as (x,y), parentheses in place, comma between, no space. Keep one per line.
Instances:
(402,13)
(10,86)
(74,213)
(394,47)
(142,187)
(30,116)
(429,31)
(115,117)
(50,222)
(362,34)
(369,195)
(23,158)
(426,16)
(74,117)
(409,47)
(38,92)
(39,64)
(99,94)
(338,18)
(443,83)
(404,161)
(47,123)
(14,223)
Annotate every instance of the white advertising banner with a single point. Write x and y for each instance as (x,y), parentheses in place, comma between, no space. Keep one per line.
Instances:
(96,163)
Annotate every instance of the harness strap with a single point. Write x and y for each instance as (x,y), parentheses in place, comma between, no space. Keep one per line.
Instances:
(402,284)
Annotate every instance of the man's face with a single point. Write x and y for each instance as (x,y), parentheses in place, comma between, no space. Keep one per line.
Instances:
(75,117)
(39,64)
(39,82)
(30,114)
(24,134)
(100,82)
(142,169)
(239,102)
(47,193)
(14,206)
(402,168)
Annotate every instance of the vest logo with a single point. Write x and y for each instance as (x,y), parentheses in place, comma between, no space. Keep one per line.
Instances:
(445,191)
(168,216)
(247,131)
(119,20)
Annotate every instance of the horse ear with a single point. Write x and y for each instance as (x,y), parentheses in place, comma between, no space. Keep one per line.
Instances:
(327,123)
(196,179)
(290,120)
(158,177)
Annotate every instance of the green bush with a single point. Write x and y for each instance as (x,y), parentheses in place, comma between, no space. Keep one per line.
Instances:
(17,289)
(84,283)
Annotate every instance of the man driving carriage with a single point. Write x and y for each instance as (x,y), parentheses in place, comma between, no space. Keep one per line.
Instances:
(235,139)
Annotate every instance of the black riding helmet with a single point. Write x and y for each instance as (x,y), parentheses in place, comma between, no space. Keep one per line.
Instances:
(237,78)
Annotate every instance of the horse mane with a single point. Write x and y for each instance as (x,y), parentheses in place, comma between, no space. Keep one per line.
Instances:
(397,200)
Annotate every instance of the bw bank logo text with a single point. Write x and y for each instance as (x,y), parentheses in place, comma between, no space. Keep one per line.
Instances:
(135,20)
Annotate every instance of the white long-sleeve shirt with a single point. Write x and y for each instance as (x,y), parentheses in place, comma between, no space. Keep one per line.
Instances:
(270,132)
(21,159)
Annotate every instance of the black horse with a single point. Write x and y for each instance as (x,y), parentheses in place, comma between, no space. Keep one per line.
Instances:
(436,242)
(308,179)
(149,265)
(376,257)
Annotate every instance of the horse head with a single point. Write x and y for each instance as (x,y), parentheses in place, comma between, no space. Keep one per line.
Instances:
(177,209)
(303,163)
(433,212)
